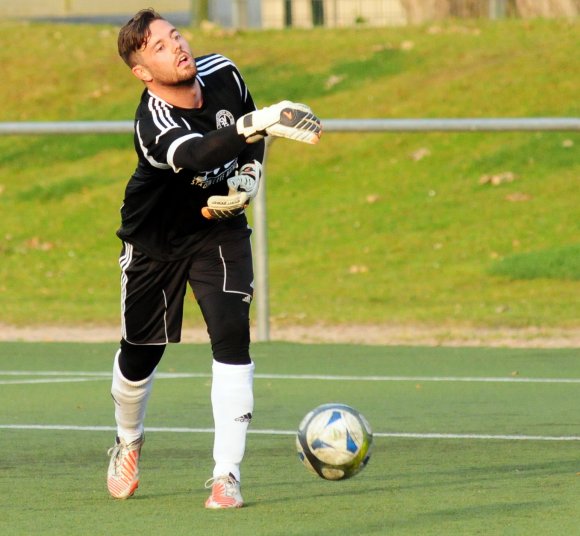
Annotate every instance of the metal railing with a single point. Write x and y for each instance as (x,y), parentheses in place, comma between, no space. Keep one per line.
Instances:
(330,125)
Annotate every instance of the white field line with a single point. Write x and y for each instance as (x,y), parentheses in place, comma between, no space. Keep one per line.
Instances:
(57,376)
(48,380)
(72,376)
(403,435)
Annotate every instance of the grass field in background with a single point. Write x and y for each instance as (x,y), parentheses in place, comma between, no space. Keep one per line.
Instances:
(374,228)
(56,423)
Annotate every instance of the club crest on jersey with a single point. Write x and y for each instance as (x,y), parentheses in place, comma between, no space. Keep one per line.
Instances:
(224,118)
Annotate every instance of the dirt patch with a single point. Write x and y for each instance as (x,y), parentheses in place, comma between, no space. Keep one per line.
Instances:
(354,334)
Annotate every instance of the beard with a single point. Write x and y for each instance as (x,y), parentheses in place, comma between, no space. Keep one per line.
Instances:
(185,81)
(177,78)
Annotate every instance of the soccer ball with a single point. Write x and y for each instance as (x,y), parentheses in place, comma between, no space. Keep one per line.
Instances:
(334,441)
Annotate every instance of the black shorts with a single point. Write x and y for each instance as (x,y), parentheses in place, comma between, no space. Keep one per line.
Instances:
(220,274)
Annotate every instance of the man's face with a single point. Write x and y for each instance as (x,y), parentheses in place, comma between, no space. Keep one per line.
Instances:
(166,57)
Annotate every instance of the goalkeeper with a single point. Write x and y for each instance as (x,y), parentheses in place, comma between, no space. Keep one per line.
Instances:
(200,143)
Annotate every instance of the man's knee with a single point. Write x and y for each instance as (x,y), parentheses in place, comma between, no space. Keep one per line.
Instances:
(137,361)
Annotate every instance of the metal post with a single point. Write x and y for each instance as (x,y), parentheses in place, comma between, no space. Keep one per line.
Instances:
(260,242)
(496,9)
(202,11)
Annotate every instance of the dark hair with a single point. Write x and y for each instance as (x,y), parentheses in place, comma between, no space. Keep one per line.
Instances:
(135,34)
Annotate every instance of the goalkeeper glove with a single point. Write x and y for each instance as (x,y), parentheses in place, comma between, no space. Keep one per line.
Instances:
(284,120)
(243,188)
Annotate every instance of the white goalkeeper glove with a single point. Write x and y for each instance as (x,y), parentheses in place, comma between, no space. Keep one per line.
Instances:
(284,120)
(243,188)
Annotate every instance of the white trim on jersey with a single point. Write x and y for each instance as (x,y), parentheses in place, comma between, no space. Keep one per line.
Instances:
(211,60)
(174,146)
(212,64)
(150,159)
(160,111)
(161,115)
(243,94)
(215,62)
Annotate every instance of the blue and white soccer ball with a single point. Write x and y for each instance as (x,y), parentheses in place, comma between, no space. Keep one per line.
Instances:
(334,441)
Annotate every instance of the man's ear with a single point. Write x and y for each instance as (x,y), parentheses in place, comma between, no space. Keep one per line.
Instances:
(142,73)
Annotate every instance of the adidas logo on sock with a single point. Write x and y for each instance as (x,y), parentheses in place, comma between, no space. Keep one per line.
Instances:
(244,418)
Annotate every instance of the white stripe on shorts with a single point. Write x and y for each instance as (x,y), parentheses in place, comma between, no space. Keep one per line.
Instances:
(124,263)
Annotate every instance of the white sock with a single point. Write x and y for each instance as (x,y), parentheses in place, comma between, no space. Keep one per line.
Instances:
(130,403)
(232,398)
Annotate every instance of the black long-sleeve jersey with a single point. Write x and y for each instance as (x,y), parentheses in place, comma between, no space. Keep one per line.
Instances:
(185,156)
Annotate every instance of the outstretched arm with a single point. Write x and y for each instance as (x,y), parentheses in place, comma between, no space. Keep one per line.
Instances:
(284,119)
(198,152)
